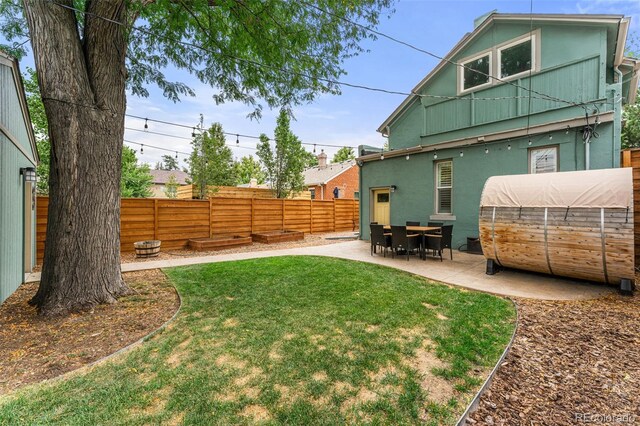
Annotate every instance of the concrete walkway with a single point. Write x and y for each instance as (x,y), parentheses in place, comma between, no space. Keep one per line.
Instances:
(465,270)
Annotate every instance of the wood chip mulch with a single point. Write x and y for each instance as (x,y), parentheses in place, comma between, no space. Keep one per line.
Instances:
(571,363)
(33,348)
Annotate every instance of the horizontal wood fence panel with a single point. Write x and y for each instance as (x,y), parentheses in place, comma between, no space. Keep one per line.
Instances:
(175,221)
(631,158)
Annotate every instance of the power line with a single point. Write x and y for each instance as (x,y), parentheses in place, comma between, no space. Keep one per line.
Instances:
(442,58)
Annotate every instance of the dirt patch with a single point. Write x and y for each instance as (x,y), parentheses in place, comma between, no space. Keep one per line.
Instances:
(363,396)
(441,317)
(424,361)
(288,336)
(257,413)
(178,353)
(230,323)
(429,305)
(568,358)
(230,362)
(372,328)
(35,348)
(319,376)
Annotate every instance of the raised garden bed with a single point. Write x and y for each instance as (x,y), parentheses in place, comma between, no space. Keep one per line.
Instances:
(219,243)
(277,236)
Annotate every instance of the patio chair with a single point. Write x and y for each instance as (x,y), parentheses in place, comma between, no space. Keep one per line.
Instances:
(401,240)
(438,243)
(379,239)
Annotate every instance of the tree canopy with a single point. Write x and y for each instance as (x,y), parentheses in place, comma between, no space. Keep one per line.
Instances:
(343,154)
(285,161)
(249,168)
(168,163)
(136,179)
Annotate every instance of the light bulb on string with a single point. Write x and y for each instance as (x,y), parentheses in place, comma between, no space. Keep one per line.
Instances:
(435,155)
(141,149)
(193,133)
(146,125)
(550,136)
(530,142)
(461,154)
(176,155)
(486,150)
(509,147)
(314,148)
(381,156)
(408,156)
(237,140)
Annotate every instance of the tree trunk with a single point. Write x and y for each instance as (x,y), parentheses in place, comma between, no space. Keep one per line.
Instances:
(82,82)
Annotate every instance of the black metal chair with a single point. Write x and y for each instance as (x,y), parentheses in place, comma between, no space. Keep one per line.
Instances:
(413,223)
(379,239)
(401,240)
(373,223)
(440,242)
(435,223)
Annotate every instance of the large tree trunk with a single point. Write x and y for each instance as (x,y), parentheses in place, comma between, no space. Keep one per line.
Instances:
(82,82)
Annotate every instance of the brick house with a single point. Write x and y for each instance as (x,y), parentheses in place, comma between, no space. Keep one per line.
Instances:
(325,180)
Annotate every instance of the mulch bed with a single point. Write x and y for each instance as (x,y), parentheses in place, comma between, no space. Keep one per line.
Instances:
(570,362)
(33,348)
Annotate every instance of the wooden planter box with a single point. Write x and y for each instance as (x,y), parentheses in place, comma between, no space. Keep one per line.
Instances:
(220,243)
(277,236)
(147,248)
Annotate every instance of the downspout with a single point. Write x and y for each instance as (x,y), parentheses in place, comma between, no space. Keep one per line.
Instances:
(616,106)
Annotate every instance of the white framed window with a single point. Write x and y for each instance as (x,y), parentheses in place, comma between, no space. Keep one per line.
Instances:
(444,186)
(475,72)
(517,57)
(543,159)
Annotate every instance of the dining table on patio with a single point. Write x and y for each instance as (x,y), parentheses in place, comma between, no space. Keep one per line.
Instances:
(422,230)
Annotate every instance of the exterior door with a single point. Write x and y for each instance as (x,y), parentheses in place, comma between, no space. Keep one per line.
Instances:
(381,206)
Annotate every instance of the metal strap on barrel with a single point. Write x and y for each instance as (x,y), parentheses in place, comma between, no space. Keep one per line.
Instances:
(604,246)
(493,236)
(546,240)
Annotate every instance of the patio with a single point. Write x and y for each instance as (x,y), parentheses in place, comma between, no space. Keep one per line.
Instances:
(465,270)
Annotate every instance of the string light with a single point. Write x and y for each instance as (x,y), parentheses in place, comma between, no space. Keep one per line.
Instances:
(146,125)
(176,155)
(550,136)
(314,148)
(461,154)
(509,147)
(193,133)
(530,142)
(381,156)
(237,139)
(435,155)
(141,148)
(486,150)
(408,156)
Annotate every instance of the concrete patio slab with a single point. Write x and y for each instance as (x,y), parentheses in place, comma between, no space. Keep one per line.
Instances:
(465,270)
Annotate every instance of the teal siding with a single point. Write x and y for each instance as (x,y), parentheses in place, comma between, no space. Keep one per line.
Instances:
(572,66)
(12,187)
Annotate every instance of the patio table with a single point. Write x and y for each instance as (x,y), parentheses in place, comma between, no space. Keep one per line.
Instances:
(421,230)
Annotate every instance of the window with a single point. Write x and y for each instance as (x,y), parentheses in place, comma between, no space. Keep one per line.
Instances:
(356,195)
(382,197)
(313,193)
(444,185)
(543,160)
(515,58)
(476,72)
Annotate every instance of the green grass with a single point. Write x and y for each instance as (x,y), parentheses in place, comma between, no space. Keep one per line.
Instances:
(293,340)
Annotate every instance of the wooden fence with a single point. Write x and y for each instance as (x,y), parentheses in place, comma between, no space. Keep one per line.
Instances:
(188,192)
(174,222)
(631,158)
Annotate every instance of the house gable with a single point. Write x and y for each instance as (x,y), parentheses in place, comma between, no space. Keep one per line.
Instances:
(573,54)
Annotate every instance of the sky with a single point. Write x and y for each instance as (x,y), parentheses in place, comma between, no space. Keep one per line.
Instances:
(349,119)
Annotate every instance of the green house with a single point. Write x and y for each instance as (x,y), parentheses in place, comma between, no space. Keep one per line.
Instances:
(520,94)
(18,159)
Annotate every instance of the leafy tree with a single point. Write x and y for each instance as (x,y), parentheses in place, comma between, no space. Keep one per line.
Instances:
(310,159)
(171,187)
(39,122)
(136,179)
(631,128)
(168,163)
(284,163)
(211,161)
(248,168)
(274,52)
(343,154)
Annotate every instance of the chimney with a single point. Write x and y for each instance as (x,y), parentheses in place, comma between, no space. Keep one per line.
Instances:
(322,160)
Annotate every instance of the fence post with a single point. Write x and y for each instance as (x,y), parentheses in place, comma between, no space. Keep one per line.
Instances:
(210,217)
(311,216)
(283,210)
(155,219)
(335,208)
(252,215)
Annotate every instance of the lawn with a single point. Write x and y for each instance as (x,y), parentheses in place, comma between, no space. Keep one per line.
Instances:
(294,340)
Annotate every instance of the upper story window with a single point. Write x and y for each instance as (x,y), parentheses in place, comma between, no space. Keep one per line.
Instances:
(512,59)
(516,58)
(476,71)
(543,160)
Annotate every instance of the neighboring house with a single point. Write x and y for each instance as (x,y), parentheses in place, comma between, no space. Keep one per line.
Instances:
(18,160)
(459,126)
(335,180)
(160,179)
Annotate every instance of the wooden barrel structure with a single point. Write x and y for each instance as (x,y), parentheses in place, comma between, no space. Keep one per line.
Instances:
(149,248)
(572,224)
